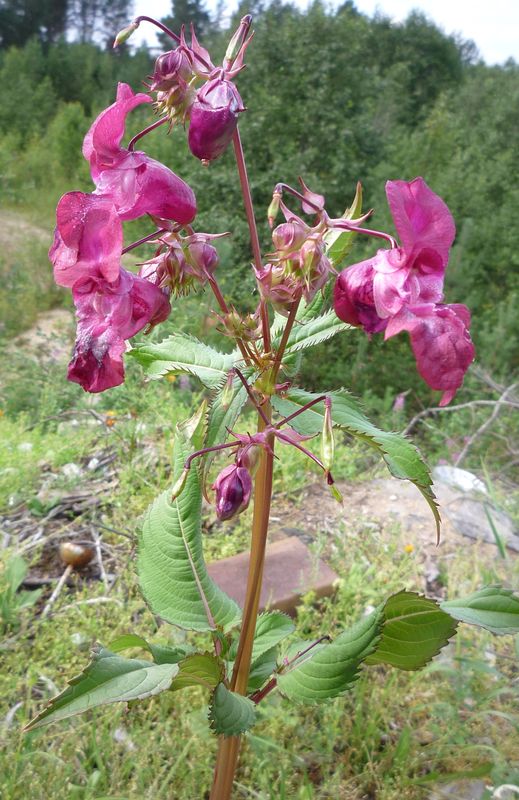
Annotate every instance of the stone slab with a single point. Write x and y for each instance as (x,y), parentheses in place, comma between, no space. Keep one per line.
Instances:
(290,572)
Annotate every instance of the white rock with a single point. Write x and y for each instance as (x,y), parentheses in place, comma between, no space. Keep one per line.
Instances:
(71,470)
(459,479)
(25,447)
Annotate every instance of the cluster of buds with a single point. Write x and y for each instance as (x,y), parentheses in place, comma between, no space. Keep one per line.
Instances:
(190,88)
(246,327)
(182,263)
(299,266)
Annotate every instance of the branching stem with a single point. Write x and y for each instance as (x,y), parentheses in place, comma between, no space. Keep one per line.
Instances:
(163,28)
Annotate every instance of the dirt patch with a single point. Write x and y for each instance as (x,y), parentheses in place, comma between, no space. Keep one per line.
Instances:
(15,232)
(50,338)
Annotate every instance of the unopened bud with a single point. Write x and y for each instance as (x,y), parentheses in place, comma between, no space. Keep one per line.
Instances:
(336,493)
(273,208)
(125,34)
(233,488)
(228,391)
(238,38)
(327,437)
(179,484)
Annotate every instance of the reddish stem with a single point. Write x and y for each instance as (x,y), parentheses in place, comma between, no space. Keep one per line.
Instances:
(345,225)
(145,132)
(253,230)
(163,28)
(144,239)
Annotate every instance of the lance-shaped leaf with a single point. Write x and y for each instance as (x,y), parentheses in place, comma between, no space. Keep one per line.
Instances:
(493,608)
(401,456)
(307,333)
(161,653)
(181,353)
(170,564)
(230,713)
(339,243)
(108,678)
(414,631)
(331,669)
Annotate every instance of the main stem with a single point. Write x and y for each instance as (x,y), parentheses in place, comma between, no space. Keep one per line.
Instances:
(228,749)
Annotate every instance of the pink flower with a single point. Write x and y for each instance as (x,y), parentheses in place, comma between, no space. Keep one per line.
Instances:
(233,488)
(88,239)
(107,314)
(441,343)
(136,183)
(402,288)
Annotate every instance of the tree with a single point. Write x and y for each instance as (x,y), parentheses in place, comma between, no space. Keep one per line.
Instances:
(98,20)
(22,19)
(185,12)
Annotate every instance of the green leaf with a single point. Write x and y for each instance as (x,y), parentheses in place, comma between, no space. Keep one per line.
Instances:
(339,243)
(331,670)
(183,353)
(271,628)
(401,456)
(493,608)
(170,564)
(199,669)
(15,571)
(107,679)
(261,669)
(231,713)
(414,630)
(306,334)
(161,654)
(223,417)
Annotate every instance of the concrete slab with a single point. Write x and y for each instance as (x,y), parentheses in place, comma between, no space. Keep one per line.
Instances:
(290,572)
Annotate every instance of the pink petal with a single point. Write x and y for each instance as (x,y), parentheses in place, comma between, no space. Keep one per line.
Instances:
(353,297)
(107,314)
(140,185)
(88,239)
(441,344)
(423,222)
(102,144)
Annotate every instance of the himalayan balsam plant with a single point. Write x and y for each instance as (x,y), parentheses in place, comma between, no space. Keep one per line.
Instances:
(400,288)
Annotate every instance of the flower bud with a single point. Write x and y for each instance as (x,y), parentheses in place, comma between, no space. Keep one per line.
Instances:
(273,208)
(169,68)
(179,484)
(289,236)
(125,34)
(327,438)
(213,119)
(233,488)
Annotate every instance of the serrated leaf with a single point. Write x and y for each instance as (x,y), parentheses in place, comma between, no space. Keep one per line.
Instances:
(308,333)
(171,567)
(332,669)
(339,243)
(261,669)
(199,669)
(184,354)
(231,714)
(194,428)
(493,608)
(401,456)
(107,679)
(271,628)
(161,654)
(414,630)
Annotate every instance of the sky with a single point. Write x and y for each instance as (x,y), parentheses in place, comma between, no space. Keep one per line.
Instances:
(493,26)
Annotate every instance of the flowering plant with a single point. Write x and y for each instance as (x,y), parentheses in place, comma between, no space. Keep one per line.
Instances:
(399,289)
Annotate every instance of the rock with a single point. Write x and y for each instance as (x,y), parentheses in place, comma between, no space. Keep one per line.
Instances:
(71,470)
(459,790)
(459,479)
(290,572)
